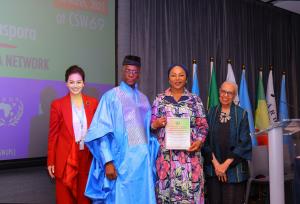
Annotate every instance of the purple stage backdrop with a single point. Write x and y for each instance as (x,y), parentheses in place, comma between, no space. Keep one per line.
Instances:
(24,114)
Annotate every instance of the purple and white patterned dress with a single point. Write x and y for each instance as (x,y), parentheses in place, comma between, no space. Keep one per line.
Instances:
(180,173)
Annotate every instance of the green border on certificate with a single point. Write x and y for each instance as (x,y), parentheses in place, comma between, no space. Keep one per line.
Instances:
(178,133)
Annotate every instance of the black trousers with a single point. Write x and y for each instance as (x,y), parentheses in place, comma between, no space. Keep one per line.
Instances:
(225,193)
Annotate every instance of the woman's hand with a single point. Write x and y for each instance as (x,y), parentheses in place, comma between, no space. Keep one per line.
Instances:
(159,123)
(224,166)
(110,171)
(222,177)
(219,172)
(51,171)
(195,146)
(217,165)
(218,169)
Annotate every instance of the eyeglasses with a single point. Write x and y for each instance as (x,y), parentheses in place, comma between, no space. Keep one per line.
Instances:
(224,92)
(129,71)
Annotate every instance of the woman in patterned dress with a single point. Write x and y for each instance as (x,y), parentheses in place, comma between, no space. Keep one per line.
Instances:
(180,172)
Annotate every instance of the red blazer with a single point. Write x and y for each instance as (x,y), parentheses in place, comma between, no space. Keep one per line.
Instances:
(61,134)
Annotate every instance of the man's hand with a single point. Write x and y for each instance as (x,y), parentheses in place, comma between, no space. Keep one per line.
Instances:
(110,171)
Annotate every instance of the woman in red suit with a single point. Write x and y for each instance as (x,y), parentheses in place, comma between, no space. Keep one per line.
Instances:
(68,159)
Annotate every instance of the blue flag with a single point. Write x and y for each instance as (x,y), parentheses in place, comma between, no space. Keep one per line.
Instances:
(284,114)
(283,109)
(245,104)
(195,87)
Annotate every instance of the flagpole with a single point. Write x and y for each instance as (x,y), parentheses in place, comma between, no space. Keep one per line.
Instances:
(211,60)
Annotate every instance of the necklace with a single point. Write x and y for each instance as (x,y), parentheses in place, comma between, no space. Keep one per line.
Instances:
(224,117)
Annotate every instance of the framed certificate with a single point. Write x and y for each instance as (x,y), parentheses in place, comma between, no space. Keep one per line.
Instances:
(178,133)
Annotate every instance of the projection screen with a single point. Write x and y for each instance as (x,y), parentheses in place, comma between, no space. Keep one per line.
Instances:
(39,40)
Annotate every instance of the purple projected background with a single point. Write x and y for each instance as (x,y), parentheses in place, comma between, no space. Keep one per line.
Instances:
(24,114)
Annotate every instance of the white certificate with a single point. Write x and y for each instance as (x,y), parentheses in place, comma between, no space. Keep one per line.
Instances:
(178,133)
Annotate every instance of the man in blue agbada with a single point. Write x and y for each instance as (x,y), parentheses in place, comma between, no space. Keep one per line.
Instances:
(122,170)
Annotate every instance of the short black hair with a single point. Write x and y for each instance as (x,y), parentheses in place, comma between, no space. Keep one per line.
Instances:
(74,69)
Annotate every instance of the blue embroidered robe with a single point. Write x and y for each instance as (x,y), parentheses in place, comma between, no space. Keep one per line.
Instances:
(120,132)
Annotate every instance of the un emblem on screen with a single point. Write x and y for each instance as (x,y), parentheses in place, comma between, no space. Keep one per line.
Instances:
(11,110)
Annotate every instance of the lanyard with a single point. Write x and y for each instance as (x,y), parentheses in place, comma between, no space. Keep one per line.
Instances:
(79,116)
(81,121)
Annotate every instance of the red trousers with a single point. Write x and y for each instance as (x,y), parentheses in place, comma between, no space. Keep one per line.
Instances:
(64,194)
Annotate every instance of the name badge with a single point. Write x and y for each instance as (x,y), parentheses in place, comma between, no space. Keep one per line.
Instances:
(81,145)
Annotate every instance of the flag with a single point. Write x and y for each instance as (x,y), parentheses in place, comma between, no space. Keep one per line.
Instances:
(284,114)
(283,109)
(246,104)
(195,87)
(261,112)
(271,102)
(230,77)
(213,95)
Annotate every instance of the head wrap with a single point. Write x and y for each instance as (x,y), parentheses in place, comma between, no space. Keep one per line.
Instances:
(180,65)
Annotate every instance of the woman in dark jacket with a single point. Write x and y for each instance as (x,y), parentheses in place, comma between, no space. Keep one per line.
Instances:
(227,149)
